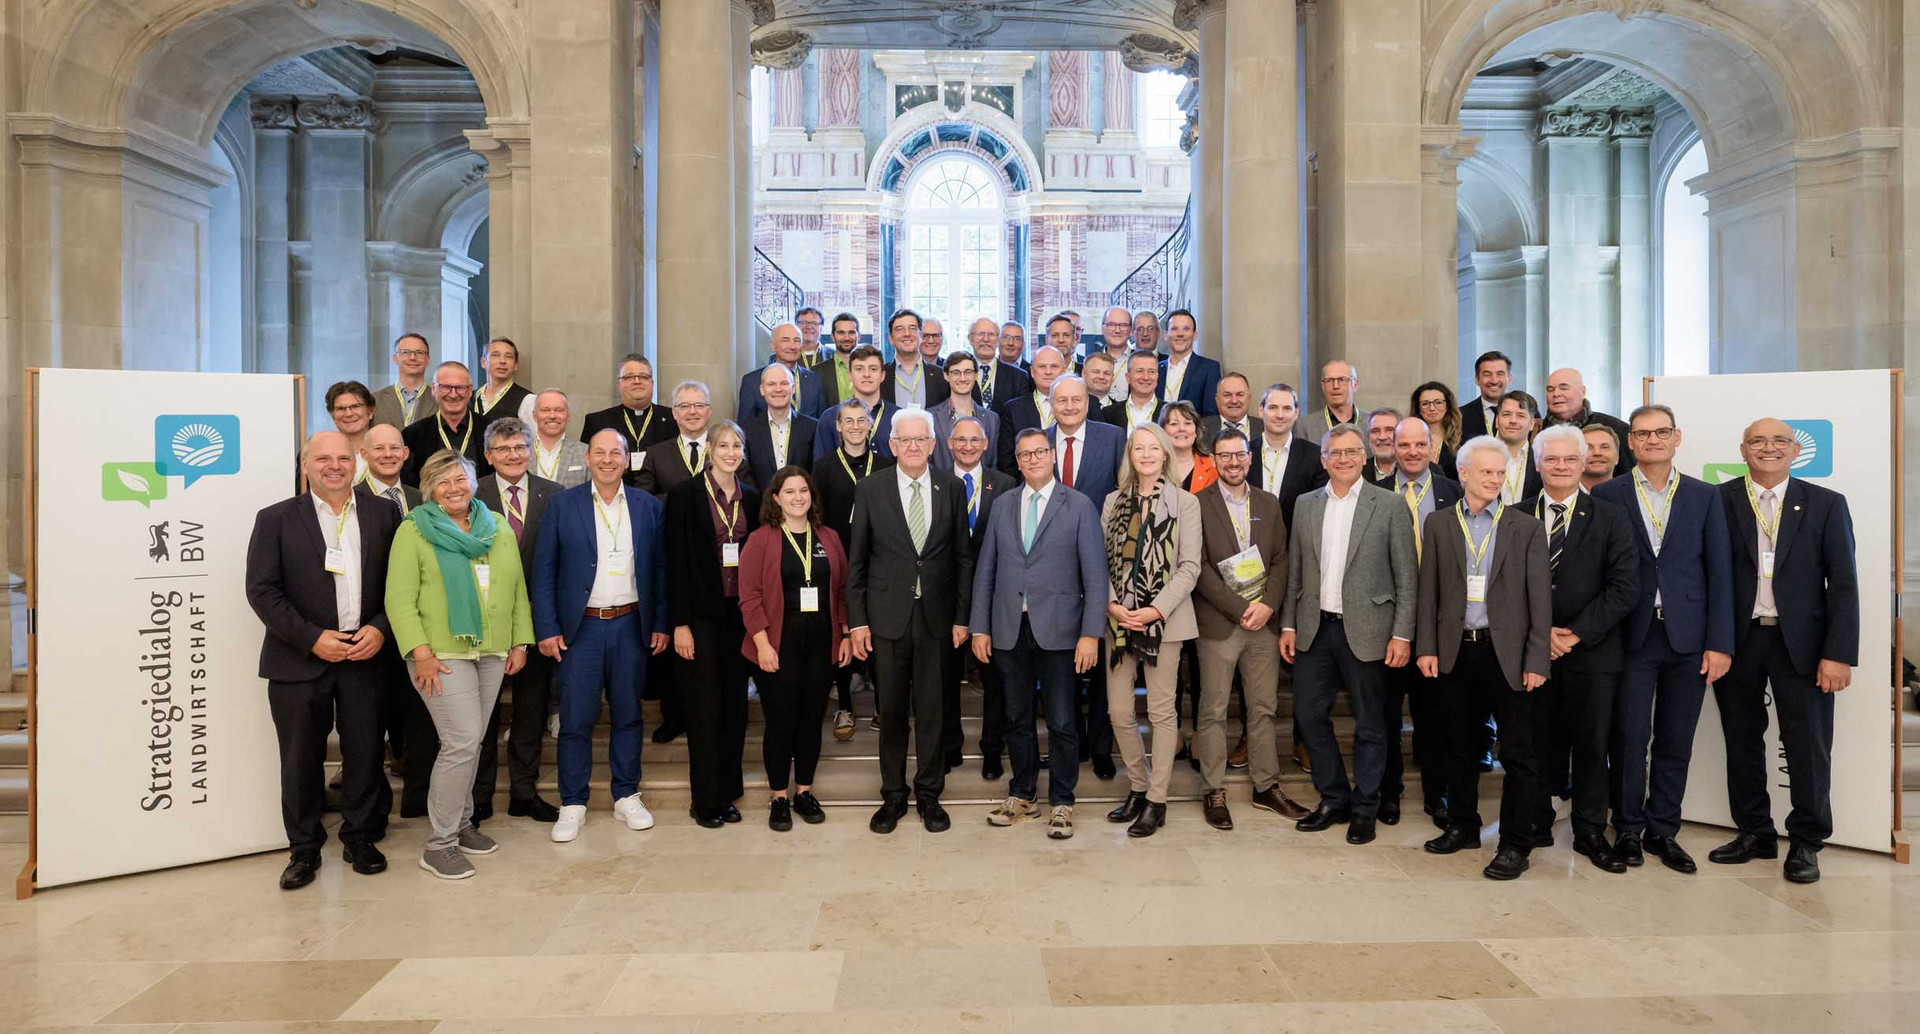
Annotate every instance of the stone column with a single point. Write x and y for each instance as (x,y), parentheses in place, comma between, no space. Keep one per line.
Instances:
(1442,150)
(748,345)
(1207,19)
(1261,218)
(1633,174)
(1119,86)
(1580,206)
(272,273)
(508,148)
(1533,361)
(331,332)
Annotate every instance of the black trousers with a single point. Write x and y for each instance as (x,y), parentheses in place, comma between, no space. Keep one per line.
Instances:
(526,727)
(1571,722)
(713,701)
(1473,690)
(347,696)
(1094,722)
(663,685)
(993,722)
(1806,737)
(909,680)
(1655,712)
(1406,689)
(1318,674)
(794,699)
(423,746)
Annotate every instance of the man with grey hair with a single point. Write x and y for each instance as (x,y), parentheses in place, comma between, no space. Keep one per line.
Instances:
(809,396)
(556,457)
(684,455)
(933,342)
(998,381)
(1382,424)
(1339,384)
(1013,344)
(452,424)
(1146,331)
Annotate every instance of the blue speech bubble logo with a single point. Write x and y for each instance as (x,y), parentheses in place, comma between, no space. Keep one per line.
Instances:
(193,446)
(1816,448)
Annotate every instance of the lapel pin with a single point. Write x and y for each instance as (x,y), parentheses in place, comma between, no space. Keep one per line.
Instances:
(1796,509)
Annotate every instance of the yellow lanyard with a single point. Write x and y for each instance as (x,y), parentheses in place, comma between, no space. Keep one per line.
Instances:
(1176,376)
(340,522)
(1270,469)
(1477,554)
(849,469)
(692,468)
(506,503)
(1518,475)
(806,555)
(874,428)
(1767,526)
(1237,515)
(406,407)
(440,424)
(1659,519)
(613,526)
(986,378)
(1137,417)
(486,407)
(638,436)
(1046,412)
(729,511)
(547,470)
(1414,501)
(913,386)
(1555,527)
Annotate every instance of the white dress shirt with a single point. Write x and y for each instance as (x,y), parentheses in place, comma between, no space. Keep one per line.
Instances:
(1273,463)
(1079,438)
(613,550)
(1138,415)
(979,474)
(346,586)
(545,459)
(1176,376)
(701,441)
(1336,527)
(925,481)
(1516,480)
(1043,404)
(1771,502)
(780,432)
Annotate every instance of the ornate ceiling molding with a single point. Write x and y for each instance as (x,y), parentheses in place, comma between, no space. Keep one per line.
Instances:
(1620,88)
(1187,13)
(782,49)
(272,113)
(1145,52)
(761,10)
(334,112)
(1592,123)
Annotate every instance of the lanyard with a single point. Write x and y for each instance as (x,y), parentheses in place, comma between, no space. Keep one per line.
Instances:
(547,470)
(693,468)
(1137,417)
(979,489)
(340,522)
(1413,502)
(986,378)
(851,476)
(1269,469)
(806,555)
(873,429)
(506,503)
(729,510)
(1176,376)
(1044,407)
(1237,516)
(440,424)
(640,435)
(1767,527)
(913,386)
(407,405)
(487,407)
(1477,554)
(1540,512)
(1659,519)
(1518,475)
(613,527)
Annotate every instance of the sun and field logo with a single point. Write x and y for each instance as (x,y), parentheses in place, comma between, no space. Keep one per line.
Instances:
(189,446)
(1815,459)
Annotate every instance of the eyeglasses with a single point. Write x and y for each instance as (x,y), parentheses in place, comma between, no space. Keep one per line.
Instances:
(1661,434)
(969,440)
(509,450)
(1335,380)
(1117,326)
(693,405)
(1029,455)
(1346,454)
(630,378)
(410,353)
(918,439)
(1231,456)
(1433,403)
(454,389)
(353,407)
(1769,443)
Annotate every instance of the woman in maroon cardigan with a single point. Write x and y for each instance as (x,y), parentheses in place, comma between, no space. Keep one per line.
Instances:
(793,593)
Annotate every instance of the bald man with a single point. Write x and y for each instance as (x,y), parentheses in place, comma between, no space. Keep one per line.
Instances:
(809,399)
(1567,404)
(998,381)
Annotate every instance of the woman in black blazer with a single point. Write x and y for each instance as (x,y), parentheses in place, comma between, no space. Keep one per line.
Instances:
(707,522)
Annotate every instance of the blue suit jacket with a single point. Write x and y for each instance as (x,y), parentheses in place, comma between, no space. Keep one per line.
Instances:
(568,554)
(1199,386)
(1062,579)
(1693,573)
(812,398)
(1100,467)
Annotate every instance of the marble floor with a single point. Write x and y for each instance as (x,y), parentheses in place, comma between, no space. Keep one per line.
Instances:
(831,928)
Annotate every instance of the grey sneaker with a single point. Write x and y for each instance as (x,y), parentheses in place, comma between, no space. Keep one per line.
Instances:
(472,841)
(447,863)
(1010,811)
(1060,825)
(843,725)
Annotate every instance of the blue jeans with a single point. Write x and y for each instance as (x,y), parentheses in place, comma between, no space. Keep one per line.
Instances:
(1659,704)
(607,656)
(1020,668)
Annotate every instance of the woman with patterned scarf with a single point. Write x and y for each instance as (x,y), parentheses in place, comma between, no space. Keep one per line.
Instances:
(1153,560)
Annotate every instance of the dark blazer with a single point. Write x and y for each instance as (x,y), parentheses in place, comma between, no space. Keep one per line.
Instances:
(289,587)
(826,437)
(651,425)
(882,564)
(1473,421)
(1815,589)
(1519,594)
(810,398)
(1216,607)
(1210,426)
(1016,415)
(568,551)
(835,485)
(1009,383)
(1693,573)
(1444,492)
(992,484)
(1589,415)
(539,490)
(1304,470)
(693,552)
(763,591)
(1100,467)
(665,467)
(936,384)
(1115,413)
(1597,583)
(800,431)
(1199,386)
(423,439)
(1374,477)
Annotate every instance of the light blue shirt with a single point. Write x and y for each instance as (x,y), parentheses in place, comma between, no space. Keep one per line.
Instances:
(1658,500)
(1422,484)
(1481,531)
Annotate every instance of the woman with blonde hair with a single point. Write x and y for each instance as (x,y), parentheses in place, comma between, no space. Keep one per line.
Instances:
(1152,531)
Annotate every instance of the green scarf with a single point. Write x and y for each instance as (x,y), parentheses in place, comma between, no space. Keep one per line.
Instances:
(456,550)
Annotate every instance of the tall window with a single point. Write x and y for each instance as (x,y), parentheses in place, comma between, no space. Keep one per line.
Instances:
(1160,117)
(1683,269)
(955,224)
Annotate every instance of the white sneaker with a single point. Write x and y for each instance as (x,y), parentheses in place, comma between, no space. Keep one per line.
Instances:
(553,726)
(567,826)
(630,809)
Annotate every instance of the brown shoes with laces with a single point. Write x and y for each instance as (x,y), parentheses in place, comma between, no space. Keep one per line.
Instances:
(1214,805)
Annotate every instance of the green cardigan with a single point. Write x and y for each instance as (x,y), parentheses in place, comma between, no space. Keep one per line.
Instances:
(417,598)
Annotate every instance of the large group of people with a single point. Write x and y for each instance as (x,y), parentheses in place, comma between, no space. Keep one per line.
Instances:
(1066,525)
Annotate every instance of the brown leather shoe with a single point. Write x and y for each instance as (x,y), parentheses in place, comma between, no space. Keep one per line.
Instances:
(1214,806)
(1301,758)
(1275,800)
(1237,757)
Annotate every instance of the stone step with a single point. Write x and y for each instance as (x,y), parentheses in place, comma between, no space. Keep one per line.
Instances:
(1910,728)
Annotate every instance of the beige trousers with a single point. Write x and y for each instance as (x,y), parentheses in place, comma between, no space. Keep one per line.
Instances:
(1162,680)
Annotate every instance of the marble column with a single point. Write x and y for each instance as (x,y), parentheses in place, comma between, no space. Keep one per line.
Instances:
(1442,150)
(1207,19)
(1633,174)
(330,321)
(508,148)
(748,344)
(272,284)
(1260,223)
(1580,206)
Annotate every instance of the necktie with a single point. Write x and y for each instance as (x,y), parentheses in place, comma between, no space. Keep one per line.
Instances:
(514,510)
(1413,507)
(1556,534)
(986,386)
(971,512)
(1066,464)
(693,457)
(917,525)
(1763,594)
(1032,523)
(398,498)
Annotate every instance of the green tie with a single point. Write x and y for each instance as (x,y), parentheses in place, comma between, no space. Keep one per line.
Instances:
(1033,522)
(917,525)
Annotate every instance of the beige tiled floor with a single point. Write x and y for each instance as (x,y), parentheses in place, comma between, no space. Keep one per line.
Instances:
(832,929)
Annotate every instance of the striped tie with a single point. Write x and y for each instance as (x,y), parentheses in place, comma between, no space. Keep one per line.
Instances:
(1556,535)
(917,525)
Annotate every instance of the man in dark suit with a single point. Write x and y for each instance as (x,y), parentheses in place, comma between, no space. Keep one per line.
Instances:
(384,453)
(1232,407)
(1034,408)
(1514,422)
(598,587)
(811,396)
(836,476)
(1678,638)
(1284,464)
(997,381)
(909,587)
(638,419)
(1013,344)
(1793,577)
(1492,372)
(981,486)
(1425,491)
(666,465)
(317,576)
(1593,563)
(1567,404)
(1486,607)
(1185,375)
(778,436)
(452,425)
(1141,405)
(910,379)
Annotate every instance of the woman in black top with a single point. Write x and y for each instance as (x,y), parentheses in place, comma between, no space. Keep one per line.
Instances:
(708,520)
(835,476)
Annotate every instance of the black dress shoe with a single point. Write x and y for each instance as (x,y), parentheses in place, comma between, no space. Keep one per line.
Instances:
(1743,849)
(1455,839)
(1670,853)
(807,806)
(413,811)
(1152,817)
(1438,813)
(1594,847)
(536,809)
(955,761)
(780,815)
(1627,848)
(1360,829)
(366,858)
(667,732)
(1508,863)
(1129,809)
(887,816)
(1389,811)
(730,813)
(300,870)
(933,818)
(1803,865)
(707,819)
(990,769)
(1103,766)
(1323,816)
(1543,837)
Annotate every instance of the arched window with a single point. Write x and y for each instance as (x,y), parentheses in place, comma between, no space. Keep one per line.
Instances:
(955,226)
(1161,119)
(1683,269)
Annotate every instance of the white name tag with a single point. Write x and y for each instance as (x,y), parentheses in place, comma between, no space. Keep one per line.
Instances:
(616,564)
(483,576)
(1766,564)
(635,460)
(730,554)
(809,599)
(336,560)
(1476,588)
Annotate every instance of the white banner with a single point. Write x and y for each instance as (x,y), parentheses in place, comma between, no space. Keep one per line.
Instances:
(1844,421)
(154,743)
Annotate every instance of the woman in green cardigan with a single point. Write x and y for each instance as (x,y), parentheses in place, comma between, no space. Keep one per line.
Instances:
(458,604)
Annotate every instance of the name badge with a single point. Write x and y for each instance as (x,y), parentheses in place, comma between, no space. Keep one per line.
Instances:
(636,460)
(483,576)
(730,554)
(809,599)
(1766,564)
(616,564)
(1476,588)
(337,560)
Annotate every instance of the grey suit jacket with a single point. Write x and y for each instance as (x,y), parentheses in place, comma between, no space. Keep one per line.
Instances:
(1062,580)
(1175,601)
(569,469)
(1519,593)
(388,408)
(1382,578)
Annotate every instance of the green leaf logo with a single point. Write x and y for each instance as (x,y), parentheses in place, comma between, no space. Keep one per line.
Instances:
(132,482)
